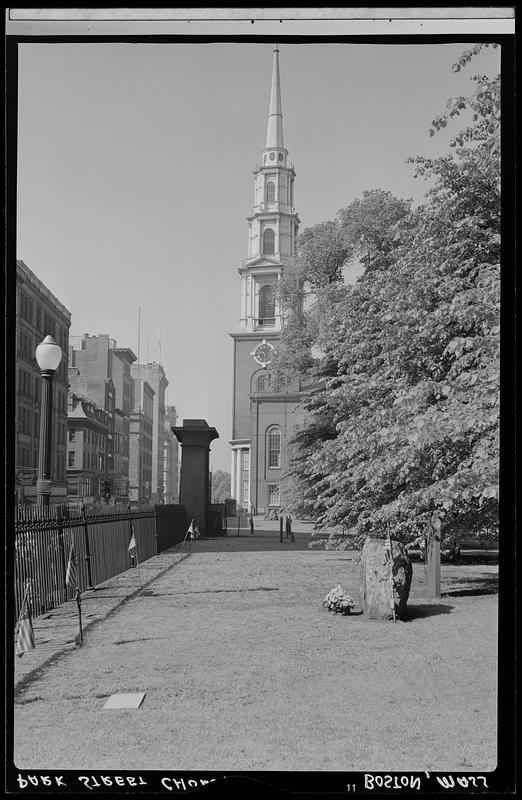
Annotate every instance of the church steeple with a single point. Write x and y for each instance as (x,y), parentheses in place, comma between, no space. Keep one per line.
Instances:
(273,223)
(274,133)
(275,153)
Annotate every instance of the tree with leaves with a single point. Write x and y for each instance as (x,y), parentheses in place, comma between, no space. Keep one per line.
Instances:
(403,431)
(220,486)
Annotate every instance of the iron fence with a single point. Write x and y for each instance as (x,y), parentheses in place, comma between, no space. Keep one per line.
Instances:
(216,519)
(100,536)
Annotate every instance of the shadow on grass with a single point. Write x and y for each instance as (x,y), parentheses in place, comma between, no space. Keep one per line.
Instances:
(467,558)
(428,610)
(142,639)
(472,588)
(26,700)
(148,593)
(474,557)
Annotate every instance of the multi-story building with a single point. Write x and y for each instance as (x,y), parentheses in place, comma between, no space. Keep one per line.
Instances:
(120,480)
(170,457)
(39,314)
(264,414)
(141,442)
(88,428)
(155,376)
(98,359)
(101,392)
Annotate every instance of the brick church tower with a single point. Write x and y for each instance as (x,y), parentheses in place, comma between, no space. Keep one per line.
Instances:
(263,416)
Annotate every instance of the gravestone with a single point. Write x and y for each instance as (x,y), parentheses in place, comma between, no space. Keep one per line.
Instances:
(385,579)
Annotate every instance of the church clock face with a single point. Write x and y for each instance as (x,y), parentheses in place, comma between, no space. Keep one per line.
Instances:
(263,353)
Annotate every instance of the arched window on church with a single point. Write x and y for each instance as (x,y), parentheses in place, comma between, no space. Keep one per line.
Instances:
(270,192)
(263,382)
(269,242)
(274,448)
(266,305)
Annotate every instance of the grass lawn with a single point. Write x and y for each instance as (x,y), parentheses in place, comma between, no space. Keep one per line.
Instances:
(243,669)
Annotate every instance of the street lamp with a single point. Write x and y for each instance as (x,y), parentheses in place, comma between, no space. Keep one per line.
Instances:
(48,356)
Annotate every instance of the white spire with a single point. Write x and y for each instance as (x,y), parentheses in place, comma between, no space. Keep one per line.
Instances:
(274,133)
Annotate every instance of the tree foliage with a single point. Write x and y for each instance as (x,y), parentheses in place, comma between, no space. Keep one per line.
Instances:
(403,430)
(220,486)
(483,103)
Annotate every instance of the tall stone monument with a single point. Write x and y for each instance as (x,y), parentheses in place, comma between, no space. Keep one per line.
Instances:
(195,436)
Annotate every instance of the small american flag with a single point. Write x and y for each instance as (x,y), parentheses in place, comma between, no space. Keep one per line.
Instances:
(71,575)
(25,634)
(132,545)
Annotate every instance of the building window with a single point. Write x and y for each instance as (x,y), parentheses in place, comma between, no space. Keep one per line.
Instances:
(269,242)
(26,308)
(246,459)
(266,303)
(273,494)
(72,436)
(71,458)
(270,192)
(261,383)
(274,448)
(48,326)
(245,492)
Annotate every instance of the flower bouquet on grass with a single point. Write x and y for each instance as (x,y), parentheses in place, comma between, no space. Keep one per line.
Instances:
(338,601)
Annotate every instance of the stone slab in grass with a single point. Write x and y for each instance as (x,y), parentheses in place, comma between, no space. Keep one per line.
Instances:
(385,579)
(125,700)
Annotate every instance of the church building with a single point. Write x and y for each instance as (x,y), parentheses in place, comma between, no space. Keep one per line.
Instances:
(264,415)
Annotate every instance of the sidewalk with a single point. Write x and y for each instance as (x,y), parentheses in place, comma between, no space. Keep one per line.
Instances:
(243,669)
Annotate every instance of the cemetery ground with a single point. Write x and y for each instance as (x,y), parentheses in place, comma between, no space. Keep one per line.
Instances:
(243,669)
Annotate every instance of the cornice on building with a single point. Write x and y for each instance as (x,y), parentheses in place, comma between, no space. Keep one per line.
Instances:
(126,352)
(255,335)
(29,276)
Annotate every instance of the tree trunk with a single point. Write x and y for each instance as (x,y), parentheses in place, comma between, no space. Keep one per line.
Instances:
(385,579)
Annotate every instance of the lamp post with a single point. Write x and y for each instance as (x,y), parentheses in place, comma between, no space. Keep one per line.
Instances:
(48,356)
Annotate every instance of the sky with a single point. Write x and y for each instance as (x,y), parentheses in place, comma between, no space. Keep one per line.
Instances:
(135,178)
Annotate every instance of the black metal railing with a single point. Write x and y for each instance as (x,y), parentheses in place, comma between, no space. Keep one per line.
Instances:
(100,536)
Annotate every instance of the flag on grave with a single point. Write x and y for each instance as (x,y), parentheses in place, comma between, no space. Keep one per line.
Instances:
(71,574)
(25,635)
(132,546)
